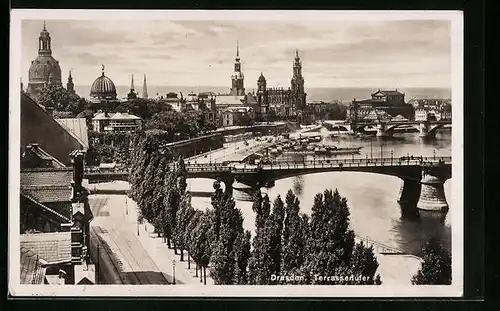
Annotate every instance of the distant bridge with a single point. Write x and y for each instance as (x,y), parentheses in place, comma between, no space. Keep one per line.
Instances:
(425,128)
(415,171)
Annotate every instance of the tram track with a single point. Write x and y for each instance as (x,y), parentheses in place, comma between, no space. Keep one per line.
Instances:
(121,252)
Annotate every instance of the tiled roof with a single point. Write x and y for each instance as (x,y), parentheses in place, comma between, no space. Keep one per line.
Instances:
(47,184)
(49,194)
(32,271)
(54,247)
(46,176)
(77,126)
(40,205)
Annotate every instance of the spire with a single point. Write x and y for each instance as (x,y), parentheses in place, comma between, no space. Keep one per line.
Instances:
(144,88)
(70,86)
(297,53)
(102,69)
(237,50)
(132,84)
(44,42)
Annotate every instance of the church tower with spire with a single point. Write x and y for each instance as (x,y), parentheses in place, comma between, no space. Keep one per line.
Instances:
(132,94)
(144,88)
(262,96)
(237,79)
(297,86)
(44,67)
(70,87)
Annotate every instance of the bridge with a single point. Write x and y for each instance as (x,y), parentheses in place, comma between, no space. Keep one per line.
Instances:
(384,129)
(422,186)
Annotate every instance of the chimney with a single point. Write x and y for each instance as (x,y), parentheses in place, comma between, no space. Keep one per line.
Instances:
(77,160)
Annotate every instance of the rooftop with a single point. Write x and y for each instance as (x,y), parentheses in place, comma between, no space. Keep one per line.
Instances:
(32,270)
(115,116)
(47,185)
(78,127)
(52,248)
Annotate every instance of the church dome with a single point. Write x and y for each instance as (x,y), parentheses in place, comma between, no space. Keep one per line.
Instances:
(103,88)
(42,67)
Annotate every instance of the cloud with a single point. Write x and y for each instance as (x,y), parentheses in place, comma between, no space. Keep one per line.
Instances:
(409,52)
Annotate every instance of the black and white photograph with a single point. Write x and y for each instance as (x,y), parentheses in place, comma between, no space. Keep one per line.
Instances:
(236,153)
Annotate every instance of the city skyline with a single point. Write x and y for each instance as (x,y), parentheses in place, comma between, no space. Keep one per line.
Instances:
(384,54)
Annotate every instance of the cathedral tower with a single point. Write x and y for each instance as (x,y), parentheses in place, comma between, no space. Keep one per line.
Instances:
(43,67)
(237,85)
(297,86)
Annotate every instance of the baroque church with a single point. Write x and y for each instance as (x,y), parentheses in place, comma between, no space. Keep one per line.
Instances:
(283,102)
(45,68)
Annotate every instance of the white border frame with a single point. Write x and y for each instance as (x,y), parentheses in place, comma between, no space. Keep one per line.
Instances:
(453,290)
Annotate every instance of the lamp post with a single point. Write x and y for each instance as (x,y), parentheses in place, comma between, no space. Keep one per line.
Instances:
(173,267)
(126,206)
(371,150)
(434,153)
(391,156)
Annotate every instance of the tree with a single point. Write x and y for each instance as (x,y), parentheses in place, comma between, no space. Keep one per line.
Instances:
(200,244)
(436,265)
(277,221)
(242,253)
(61,100)
(146,200)
(170,206)
(183,218)
(261,265)
(293,242)
(264,260)
(230,225)
(330,248)
(188,234)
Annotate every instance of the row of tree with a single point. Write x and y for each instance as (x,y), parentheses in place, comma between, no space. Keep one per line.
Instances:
(286,242)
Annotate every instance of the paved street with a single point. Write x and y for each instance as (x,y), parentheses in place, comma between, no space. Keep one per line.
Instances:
(122,245)
(140,259)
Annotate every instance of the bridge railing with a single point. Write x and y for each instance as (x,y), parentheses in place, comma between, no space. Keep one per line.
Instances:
(306,164)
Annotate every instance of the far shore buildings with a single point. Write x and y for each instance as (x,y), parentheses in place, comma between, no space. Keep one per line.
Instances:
(384,103)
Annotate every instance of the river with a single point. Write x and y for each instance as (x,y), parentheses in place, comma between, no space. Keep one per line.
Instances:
(372,198)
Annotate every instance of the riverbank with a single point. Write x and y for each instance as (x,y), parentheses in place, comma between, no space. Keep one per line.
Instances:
(395,268)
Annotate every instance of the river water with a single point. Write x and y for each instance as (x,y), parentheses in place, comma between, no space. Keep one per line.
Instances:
(372,198)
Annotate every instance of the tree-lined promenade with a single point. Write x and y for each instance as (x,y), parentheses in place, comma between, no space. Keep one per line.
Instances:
(287,242)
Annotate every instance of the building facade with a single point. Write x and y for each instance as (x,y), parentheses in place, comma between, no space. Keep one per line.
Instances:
(116,122)
(391,102)
(44,69)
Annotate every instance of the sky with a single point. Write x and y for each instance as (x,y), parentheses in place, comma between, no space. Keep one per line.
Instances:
(379,54)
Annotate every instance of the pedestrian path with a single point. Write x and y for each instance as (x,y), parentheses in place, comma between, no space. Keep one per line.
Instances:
(159,252)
